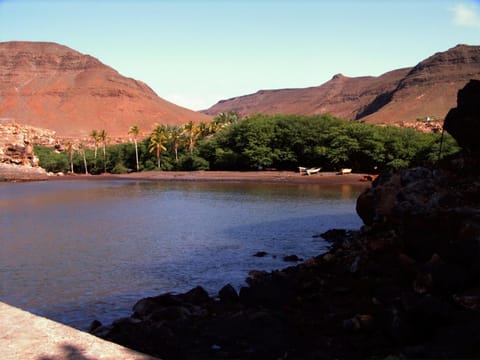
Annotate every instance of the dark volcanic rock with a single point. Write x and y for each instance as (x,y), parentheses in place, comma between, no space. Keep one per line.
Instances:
(228,294)
(463,122)
(260,254)
(292,258)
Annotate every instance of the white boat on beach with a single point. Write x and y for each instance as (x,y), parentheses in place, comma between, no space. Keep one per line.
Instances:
(308,171)
(344,171)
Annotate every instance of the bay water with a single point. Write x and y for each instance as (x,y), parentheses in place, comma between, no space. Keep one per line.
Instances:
(75,250)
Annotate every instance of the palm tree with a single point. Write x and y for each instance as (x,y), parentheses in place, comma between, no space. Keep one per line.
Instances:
(157,142)
(102,136)
(135,131)
(94,136)
(191,133)
(224,119)
(70,149)
(203,129)
(175,134)
(82,150)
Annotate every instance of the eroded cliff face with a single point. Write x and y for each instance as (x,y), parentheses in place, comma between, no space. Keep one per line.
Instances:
(52,86)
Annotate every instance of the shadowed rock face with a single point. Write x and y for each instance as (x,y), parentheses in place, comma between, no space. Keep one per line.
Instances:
(463,122)
(426,90)
(52,86)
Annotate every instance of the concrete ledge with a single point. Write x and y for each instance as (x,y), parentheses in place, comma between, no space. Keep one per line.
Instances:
(27,336)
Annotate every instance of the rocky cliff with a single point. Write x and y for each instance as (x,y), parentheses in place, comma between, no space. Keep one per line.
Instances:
(17,156)
(52,86)
(406,285)
(427,90)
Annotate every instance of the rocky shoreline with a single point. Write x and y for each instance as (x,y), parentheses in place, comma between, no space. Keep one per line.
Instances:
(387,289)
(13,172)
(407,284)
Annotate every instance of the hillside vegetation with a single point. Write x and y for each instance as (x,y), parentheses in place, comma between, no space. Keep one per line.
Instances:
(282,142)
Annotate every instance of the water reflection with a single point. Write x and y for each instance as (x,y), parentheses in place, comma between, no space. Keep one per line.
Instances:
(79,250)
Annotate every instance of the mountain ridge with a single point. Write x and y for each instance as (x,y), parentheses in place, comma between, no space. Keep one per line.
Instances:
(52,86)
(427,89)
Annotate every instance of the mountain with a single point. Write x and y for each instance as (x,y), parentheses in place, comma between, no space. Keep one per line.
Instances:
(52,86)
(427,90)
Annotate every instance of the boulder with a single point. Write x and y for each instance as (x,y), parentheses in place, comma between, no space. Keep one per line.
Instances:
(292,258)
(260,254)
(463,122)
(228,294)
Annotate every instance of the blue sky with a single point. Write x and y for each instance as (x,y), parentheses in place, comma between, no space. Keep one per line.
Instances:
(195,53)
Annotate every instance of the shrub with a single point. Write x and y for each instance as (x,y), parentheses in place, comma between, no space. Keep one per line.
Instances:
(120,168)
(192,162)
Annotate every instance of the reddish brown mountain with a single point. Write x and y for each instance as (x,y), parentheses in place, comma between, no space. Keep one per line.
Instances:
(52,86)
(430,88)
(426,90)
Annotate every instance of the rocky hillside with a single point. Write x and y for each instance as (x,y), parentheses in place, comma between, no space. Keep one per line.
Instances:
(427,90)
(52,86)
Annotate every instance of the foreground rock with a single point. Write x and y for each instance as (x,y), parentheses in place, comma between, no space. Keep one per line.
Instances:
(12,172)
(462,122)
(407,284)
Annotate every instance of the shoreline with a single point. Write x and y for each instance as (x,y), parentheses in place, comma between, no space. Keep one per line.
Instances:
(274,177)
(325,178)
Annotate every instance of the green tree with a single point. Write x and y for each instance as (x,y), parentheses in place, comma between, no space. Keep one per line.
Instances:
(158,140)
(224,119)
(94,136)
(191,133)
(82,151)
(102,136)
(70,150)
(135,132)
(175,133)
(52,160)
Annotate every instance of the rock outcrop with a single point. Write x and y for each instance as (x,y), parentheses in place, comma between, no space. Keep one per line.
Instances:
(424,92)
(406,285)
(52,86)
(463,121)
(17,156)
(16,143)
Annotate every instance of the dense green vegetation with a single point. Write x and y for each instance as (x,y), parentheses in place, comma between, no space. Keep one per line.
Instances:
(283,142)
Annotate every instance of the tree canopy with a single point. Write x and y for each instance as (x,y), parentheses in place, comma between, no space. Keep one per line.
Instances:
(283,142)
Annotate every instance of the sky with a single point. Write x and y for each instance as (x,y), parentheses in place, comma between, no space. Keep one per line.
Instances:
(197,52)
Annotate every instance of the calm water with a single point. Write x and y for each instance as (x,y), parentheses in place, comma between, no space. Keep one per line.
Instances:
(75,251)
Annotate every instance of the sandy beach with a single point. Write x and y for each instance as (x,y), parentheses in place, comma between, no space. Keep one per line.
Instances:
(326,178)
(286,177)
